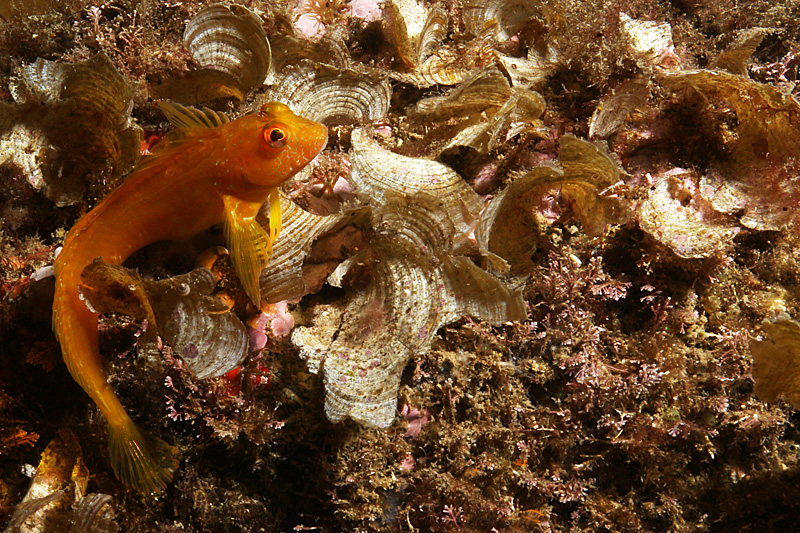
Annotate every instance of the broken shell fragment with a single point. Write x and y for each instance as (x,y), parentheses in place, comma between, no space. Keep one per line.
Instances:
(71,121)
(330,95)
(230,46)
(198,326)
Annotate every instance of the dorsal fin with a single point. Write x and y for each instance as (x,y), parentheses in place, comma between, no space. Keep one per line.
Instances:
(190,117)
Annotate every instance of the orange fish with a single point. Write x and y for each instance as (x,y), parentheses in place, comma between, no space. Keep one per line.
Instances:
(207,171)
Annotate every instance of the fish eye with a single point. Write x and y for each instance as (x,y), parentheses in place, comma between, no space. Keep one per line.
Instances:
(276,136)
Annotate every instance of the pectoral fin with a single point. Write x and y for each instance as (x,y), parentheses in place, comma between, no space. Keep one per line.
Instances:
(274,214)
(249,245)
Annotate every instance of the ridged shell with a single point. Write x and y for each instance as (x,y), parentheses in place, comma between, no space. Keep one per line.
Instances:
(72,122)
(282,278)
(776,361)
(418,30)
(501,19)
(524,72)
(586,172)
(199,327)
(377,170)
(330,95)
(684,226)
(55,500)
(616,109)
(448,65)
(94,514)
(482,112)
(230,47)
(758,173)
(414,283)
(292,51)
(230,39)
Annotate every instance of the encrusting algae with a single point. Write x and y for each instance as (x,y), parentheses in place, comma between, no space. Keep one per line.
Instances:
(211,171)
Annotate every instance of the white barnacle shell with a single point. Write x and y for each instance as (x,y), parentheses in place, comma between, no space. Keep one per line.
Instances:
(199,327)
(331,95)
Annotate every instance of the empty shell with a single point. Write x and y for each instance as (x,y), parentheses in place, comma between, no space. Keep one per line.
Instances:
(407,283)
(330,95)
(71,123)
(230,47)
(198,326)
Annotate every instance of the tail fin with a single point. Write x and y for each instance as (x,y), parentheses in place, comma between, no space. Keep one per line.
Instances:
(139,459)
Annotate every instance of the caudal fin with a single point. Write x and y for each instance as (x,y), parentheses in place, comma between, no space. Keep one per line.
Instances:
(140,460)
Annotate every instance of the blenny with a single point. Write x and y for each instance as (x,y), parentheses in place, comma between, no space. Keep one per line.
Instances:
(209,170)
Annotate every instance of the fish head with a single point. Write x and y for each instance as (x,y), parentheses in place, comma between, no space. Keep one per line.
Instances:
(275,144)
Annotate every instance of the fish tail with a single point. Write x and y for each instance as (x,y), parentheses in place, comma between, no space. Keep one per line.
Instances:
(141,460)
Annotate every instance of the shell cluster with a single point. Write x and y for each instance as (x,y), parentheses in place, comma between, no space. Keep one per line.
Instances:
(57,499)
(70,122)
(412,231)
(421,213)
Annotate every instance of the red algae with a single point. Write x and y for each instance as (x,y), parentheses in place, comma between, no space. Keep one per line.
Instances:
(623,400)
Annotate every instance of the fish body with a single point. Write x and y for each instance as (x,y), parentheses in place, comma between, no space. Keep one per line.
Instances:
(206,172)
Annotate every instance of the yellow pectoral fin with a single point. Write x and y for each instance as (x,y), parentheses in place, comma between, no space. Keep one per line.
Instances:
(248,244)
(274,213)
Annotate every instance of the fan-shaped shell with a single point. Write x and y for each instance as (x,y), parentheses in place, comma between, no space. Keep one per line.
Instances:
(72,122)
(330,95)
(501,19)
